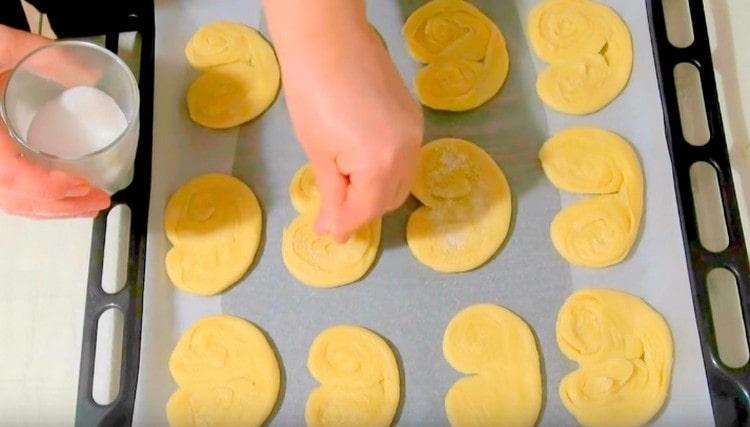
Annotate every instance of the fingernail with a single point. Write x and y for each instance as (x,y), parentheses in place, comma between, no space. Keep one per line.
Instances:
(79,190)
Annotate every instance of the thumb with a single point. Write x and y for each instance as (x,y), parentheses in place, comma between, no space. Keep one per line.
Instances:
(17,44)
(363,203)
(61,66)
(332,186)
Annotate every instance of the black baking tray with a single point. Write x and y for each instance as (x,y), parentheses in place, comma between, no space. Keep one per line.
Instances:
(133,16)
(728,387)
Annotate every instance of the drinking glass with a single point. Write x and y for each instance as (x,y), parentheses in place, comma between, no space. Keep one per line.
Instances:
(48,71)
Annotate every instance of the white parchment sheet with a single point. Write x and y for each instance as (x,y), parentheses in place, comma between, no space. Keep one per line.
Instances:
(401,299)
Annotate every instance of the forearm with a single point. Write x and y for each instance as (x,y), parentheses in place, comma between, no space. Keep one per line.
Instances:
(350,109)
(314,30)
(294,21)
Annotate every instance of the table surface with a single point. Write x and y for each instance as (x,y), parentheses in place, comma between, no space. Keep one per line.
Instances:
(42,293)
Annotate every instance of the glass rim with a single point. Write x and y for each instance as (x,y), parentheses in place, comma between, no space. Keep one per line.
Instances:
(131,118)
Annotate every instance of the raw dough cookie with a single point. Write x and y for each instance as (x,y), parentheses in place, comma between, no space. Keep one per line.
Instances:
(589,50)
(599,231)
(224,42)
(316,260)
(455,170)
(359,379)
(227,375)
(498,352)
(241,75)
(624,349)
(467,207)
(303,191)
(222,97)
(320,262)
(457,238)
(466,61)
(214,223)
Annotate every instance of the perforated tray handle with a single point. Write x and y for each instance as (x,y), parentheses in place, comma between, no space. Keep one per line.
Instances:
(129,300)
(728,387)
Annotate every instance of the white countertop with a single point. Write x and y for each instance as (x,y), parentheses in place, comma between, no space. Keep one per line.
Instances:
(44,265)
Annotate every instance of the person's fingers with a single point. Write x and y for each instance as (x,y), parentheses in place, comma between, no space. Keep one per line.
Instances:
(85,206)
(59,65)
(26,179)
(16,44)
(400,194)
(48,218)
(3,80)
(7,146)
(332,186)
(365,201)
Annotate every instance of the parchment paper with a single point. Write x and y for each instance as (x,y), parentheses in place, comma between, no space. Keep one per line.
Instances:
(404,301)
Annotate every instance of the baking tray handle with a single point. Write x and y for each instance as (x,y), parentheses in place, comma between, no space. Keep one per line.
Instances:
(138,17)
(728,386)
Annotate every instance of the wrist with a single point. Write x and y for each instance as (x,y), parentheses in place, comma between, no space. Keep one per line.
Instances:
(312,44)
(307,22)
